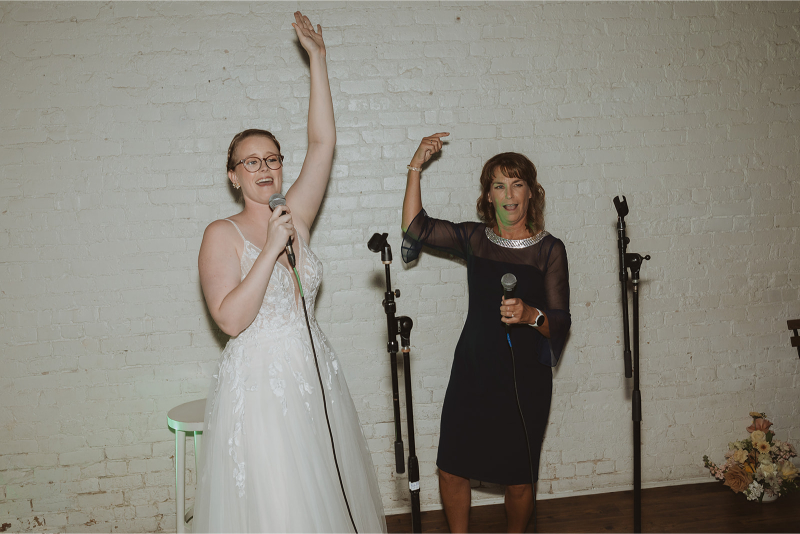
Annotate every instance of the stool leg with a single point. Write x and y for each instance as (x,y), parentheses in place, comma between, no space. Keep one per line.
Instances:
(190,512)
(180,478)
(197,436)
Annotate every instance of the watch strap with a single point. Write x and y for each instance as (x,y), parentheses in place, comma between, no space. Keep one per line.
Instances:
(539,320)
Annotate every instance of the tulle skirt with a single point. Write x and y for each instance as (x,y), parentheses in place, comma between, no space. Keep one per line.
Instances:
(267,464)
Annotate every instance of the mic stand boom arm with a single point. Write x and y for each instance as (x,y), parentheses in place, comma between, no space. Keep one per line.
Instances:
(400,325)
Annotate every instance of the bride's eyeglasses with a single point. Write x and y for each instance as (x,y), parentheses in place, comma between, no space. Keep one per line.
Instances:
(254,164)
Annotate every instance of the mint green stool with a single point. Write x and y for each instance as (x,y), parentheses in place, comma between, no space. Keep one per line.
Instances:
(183,419)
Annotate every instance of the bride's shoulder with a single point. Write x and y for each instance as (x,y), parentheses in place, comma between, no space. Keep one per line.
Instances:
(220,226)
(222,232)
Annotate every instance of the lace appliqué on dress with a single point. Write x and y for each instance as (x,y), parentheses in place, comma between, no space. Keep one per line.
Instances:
(233,370)
(278,384)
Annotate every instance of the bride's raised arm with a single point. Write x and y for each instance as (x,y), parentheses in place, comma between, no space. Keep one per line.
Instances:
(305,195)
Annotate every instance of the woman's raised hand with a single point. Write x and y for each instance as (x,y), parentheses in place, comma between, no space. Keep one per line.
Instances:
(428,147)
(281,229)
(311,40)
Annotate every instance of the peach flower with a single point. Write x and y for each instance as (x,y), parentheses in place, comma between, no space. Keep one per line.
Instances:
(759,424)
(762,446)
(740,456)
(757,436)
(737,479)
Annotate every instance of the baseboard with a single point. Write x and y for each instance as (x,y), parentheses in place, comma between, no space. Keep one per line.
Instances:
(593,491)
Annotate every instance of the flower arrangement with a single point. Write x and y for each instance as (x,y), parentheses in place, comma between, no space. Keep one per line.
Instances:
(759,466)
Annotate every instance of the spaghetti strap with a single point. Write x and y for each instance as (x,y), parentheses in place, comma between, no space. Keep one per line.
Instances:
(237,229)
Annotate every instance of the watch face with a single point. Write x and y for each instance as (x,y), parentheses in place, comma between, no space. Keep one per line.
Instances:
(540,319)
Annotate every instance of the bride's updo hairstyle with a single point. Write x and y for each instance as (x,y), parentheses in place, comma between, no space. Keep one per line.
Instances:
(241,136)
(512,165)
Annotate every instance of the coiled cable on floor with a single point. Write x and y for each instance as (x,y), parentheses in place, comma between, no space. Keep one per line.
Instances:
(324,402)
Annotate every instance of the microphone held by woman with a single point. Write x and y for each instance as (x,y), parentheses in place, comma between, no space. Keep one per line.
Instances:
(279,200)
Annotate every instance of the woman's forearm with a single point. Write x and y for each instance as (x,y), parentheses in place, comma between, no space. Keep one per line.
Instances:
(321,123)
(412,202)
(240,307)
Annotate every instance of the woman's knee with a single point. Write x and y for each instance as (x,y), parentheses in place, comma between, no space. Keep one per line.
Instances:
(451,479)
(519,490)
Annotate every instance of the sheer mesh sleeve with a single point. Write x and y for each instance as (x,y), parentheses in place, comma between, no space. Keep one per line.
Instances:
(441,235)
(556,286)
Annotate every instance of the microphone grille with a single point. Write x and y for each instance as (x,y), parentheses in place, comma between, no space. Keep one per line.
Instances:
(278,200)
(509,281)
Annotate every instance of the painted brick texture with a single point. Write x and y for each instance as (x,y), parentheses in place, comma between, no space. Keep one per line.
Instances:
(114,126)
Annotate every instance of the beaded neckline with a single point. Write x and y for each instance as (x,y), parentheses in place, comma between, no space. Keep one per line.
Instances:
(515,243)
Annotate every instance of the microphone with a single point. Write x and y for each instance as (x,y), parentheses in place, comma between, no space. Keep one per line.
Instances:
(509,282)
(279,200)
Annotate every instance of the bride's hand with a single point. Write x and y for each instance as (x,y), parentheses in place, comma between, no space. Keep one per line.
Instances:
(310,40)
(280,229)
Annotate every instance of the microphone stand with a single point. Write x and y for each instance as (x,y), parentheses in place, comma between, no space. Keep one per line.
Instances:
(632,261)
(402,326)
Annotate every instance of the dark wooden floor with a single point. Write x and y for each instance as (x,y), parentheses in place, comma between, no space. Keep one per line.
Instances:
(708,507)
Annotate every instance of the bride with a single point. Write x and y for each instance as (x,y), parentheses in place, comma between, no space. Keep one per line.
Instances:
(280,453)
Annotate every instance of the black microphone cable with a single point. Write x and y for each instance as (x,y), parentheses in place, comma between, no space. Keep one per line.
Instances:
(275,201)
(516,396)
(322,390)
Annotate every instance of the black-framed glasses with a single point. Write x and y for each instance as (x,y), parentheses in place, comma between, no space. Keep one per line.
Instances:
(254,164)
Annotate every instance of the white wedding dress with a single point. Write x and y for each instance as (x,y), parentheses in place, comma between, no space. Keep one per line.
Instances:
(266,459)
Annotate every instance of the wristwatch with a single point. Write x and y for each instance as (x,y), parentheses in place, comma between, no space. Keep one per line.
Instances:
(539,320)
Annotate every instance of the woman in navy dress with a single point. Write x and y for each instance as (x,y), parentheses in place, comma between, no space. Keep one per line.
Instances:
(482,432)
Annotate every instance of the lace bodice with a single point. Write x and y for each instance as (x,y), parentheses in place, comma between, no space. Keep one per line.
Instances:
(281,312)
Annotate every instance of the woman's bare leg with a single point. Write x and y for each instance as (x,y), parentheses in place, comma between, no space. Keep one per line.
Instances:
(455,492)
(519,506)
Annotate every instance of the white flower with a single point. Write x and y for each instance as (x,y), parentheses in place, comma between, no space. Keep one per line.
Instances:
(767,468)
(772,481)
(754,491)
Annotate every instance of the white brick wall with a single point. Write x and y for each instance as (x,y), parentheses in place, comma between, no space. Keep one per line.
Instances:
(114,125)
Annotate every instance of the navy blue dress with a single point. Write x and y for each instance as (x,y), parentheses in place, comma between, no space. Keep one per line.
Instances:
(482,435)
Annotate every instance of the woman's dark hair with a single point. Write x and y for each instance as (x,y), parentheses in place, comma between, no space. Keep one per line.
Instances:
(241,136)
(512,165)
